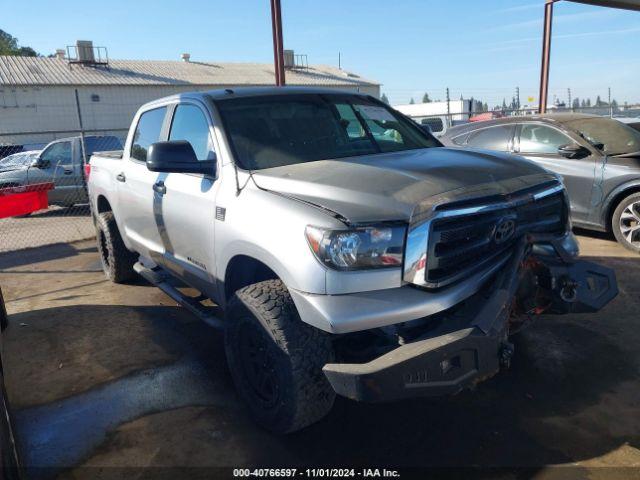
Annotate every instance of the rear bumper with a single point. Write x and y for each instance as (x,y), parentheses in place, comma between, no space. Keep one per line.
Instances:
(443,363)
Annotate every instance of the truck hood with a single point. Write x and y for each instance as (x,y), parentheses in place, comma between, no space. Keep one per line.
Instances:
(11,168)
(389,186)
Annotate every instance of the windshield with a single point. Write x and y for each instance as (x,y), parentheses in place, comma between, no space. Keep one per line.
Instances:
(616,137)
(273,131)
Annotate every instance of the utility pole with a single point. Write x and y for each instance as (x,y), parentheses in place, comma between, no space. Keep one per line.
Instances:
(518,98)
(448,108)
(339,61)
(569,97)
(610,107)
(546,56)
(278,51)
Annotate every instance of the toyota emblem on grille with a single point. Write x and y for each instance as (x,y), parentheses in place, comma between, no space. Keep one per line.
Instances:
(504,230)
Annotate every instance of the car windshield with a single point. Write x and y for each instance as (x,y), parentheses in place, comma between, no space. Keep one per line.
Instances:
(277,130)
(616,137)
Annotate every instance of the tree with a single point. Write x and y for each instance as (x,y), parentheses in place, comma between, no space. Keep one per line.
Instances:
(9,46)
(599,102)
(614,104)
(588,104)
(425,98)
(576,103)
(412,101)
(384,99)
(504,104)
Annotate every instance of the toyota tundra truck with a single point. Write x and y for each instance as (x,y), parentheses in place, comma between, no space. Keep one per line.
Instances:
(349,251)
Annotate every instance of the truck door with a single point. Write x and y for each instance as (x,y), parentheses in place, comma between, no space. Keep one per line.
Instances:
(188,203)
(136,197)
(56,165)
(539,143)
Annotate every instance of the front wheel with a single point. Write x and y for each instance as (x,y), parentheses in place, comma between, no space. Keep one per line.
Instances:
(625,222)
(276,360)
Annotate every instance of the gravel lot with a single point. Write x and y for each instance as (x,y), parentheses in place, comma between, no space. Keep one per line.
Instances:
(101,375)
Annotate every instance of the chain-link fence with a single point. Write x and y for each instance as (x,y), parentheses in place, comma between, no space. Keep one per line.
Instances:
(50,164)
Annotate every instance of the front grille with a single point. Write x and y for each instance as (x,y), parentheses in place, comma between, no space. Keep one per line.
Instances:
(461,245)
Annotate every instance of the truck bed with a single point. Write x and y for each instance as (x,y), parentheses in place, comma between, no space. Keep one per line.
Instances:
(112,154)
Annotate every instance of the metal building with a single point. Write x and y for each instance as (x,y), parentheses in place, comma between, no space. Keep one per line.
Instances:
(37,94)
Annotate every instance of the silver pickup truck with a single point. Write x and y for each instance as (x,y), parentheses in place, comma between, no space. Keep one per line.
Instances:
(350,252)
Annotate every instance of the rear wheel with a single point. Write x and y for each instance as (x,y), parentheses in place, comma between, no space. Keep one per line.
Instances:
(275,359)
(625,222)
(117,261)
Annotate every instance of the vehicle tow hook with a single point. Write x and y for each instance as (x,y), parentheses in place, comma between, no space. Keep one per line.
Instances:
(506,353)
(568,290)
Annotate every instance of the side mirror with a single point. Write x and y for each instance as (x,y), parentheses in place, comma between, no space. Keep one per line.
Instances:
(573,150)
(177,157)
(426,128)
(40,163)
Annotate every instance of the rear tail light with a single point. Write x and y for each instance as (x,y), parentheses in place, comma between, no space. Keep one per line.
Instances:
(87,171)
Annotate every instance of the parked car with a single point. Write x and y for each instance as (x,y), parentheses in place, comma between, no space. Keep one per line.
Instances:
(597,157)
(350,252)
(60,162)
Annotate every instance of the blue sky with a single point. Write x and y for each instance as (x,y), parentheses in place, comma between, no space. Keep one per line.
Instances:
(479,48)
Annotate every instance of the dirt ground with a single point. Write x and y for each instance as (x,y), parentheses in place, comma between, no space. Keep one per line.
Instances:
(102,375)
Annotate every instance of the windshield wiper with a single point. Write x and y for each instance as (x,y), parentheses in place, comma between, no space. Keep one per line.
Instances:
(625,154)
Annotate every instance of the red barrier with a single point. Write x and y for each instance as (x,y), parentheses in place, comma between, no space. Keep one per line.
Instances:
(23,200)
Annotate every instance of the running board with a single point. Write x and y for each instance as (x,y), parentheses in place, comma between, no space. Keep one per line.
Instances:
(161,279)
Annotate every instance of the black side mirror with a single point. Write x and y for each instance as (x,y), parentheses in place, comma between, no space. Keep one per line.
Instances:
(177,157)
(573,150)
(40,163)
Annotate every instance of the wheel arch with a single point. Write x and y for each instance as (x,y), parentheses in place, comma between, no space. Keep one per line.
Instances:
(103,205)
(614,199)
(244,270)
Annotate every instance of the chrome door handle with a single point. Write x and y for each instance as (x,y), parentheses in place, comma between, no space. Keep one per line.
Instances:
(68,172)
(160,188)
(121,178)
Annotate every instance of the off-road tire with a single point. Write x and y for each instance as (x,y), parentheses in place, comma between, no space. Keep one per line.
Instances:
(117,261)
(295,351)
(633,199)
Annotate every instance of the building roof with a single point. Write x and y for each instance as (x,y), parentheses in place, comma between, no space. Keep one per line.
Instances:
(24,71)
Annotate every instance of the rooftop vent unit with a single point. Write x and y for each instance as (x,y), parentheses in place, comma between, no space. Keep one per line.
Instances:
(84,53)
(60,53)
(186,57)
(295,62)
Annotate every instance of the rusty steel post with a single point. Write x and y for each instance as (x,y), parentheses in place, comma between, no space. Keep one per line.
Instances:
(278,50)
(546,55)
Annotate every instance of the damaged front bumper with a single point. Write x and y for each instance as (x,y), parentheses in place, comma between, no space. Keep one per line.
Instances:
(473,346)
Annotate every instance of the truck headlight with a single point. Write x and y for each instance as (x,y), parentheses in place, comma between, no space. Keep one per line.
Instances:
(378,246)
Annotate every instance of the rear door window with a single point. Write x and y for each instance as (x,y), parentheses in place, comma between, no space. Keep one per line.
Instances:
(492,138)
(148,131)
